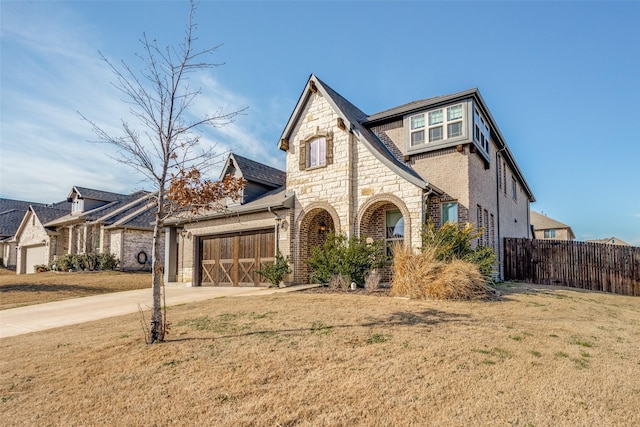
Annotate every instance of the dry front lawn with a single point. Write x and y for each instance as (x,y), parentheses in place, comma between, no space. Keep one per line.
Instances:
(25,289)
(539,357)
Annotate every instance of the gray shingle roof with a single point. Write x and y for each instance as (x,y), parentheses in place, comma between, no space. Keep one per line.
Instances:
(274,199)
(115,202)
(48,213)
(11,214)
(418,105)
(90,193)
(357,118)
(258,172)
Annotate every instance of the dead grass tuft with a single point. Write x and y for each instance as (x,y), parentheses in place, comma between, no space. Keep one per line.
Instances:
(372,281)
(422,276)
(339,281)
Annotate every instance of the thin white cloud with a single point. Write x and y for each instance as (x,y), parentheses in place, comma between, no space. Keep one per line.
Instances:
(45,143)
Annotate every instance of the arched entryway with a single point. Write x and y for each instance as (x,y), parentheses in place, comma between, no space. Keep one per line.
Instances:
(385,217)
(313,227)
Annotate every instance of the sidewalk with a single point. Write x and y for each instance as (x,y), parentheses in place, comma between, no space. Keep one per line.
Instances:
(22,320)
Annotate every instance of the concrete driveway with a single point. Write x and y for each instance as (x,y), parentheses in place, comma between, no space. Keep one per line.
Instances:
(22,320)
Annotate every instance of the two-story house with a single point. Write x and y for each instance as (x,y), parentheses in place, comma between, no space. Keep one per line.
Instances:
(546,228)
(381,176)
(88,221)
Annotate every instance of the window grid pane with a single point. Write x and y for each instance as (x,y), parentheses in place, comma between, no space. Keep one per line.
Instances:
(454,129)
(435,117)
(454,113)
(417,137)
(435,134)
(417,122)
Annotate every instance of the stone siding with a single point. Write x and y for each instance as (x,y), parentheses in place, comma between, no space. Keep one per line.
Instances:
(351,184)
(33,234)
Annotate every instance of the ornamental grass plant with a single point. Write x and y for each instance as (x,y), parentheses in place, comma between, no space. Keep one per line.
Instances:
(423,276)
(448,266)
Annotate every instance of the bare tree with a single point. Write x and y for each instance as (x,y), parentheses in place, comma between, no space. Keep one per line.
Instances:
(169,152)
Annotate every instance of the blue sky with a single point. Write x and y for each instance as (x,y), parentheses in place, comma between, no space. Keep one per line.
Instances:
(562,80)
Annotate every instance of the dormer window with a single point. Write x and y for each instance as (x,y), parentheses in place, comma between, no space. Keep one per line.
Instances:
(76,206)
(437,125)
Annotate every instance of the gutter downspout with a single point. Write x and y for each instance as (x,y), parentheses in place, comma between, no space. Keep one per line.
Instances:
(276,229)
(500,251)
(425,205)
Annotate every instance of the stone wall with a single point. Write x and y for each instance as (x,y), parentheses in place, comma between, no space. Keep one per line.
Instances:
(33,234)
(348,187)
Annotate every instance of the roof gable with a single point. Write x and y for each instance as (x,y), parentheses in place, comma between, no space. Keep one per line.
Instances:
(253,171)
(46,214)
(353,119)
(90,193)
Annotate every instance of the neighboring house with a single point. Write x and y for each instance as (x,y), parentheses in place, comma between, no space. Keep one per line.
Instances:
(550,229)
(610,241)
(89,221)
(378,176)
(11,214)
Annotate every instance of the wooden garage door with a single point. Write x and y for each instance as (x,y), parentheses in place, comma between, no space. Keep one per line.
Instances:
(231,260)
(35,255)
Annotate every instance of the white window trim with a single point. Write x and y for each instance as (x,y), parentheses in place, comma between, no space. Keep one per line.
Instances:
(76,206)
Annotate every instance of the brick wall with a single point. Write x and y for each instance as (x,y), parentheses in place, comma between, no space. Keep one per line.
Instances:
(133,242)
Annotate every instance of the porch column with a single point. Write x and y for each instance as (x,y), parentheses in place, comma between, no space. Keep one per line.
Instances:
(70,248)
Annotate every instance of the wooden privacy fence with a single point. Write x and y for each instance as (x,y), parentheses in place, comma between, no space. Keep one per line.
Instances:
(593,266)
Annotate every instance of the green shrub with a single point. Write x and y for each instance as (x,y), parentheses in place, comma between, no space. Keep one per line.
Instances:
(90,261)
(352,258)
(62,263)
(275,272)
(103,261)
(107,261)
